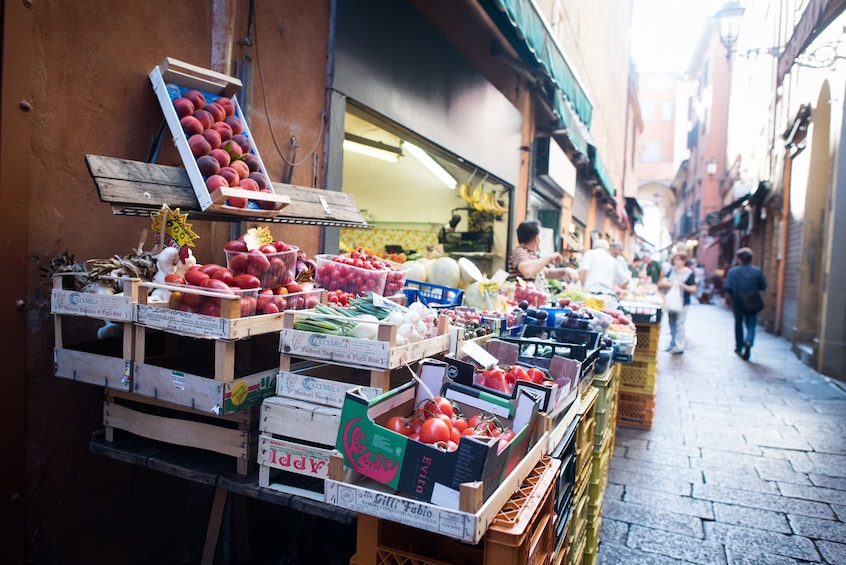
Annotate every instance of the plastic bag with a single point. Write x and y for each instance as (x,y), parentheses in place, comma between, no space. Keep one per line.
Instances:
(673,300)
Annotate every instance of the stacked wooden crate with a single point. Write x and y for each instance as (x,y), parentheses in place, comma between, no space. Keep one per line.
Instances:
(298,427)
(639,380)
(603,447)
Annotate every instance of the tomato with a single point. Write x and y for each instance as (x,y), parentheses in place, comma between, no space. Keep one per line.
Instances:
(175,300)
(248,306)
(173,278)
(268,248)
(195,277)
(452,445)
(434,430)
(455,435)
(210,268)
(216,285)
(474,421)
(247,281)
(258,260)
(399,425)
(536,375)
(236,245)
(459,424)
(504,439)
(415,424)
(437,405)
(225,275)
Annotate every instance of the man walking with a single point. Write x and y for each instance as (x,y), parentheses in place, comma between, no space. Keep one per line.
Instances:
(745,283)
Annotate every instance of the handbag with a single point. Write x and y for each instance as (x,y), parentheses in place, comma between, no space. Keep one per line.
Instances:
(673,300)
(751,302)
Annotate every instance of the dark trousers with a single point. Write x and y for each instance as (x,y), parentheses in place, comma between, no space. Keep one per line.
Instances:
(741,318)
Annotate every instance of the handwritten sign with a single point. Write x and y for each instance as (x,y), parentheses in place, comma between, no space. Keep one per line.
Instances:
(174,226)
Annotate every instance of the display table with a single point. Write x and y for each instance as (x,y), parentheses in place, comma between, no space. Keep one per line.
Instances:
(215,470)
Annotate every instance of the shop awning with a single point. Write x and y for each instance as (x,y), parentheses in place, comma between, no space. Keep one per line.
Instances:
(601,172)
(634,210)
(527,31)
(577,132)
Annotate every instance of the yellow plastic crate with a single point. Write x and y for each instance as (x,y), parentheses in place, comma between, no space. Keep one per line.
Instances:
(635,410)
(640,377)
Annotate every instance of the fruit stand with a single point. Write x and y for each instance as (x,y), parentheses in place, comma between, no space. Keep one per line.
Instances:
(343,389)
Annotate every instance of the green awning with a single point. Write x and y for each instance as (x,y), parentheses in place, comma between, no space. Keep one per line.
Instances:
(601,171)
(527,31)
(577,133)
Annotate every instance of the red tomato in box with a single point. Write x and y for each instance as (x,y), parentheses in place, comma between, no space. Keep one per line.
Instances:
(265,297)
(258,260)
(435,430)
(216,285)
(268,248)
(210,268)
(173,278)
(225,275)
(238,263)
(399,425)
(236,245)
(195,277)
(247,281)
(248,306)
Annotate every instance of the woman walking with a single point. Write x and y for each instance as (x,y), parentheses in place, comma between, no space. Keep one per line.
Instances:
(679,278)
(745,283)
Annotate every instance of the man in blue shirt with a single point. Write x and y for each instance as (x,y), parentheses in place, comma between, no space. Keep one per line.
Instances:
(745,283)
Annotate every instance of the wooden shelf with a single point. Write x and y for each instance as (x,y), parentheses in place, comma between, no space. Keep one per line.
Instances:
(135,188)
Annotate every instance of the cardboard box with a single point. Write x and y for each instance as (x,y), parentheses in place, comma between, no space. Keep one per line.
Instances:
(422,471)
(564,371)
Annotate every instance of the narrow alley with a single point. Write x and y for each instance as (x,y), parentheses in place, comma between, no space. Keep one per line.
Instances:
(745,462)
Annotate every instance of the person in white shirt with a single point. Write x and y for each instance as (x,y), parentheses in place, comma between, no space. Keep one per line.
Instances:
(600,272)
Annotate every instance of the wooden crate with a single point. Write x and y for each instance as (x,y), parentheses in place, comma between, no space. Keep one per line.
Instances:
(235,435)
(468,524)
(211,375)
(169,80)
(381,353)
(522,532)
(87,358)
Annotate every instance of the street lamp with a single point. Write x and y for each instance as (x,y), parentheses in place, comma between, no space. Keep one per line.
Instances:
(729,17)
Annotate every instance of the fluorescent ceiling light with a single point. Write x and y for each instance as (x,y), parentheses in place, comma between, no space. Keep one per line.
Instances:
(427,161)
(375,149)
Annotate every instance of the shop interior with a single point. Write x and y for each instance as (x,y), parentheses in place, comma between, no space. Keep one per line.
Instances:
(419,198)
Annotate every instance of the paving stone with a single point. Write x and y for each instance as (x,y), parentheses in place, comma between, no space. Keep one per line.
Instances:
(614,491)
(826,464)
(796,443)
(724,447)
(755,541)
(825,481)
(839,511)
(726,459)
(762,501)
(658,457)
(786,475)
(751,517)
(682,448)
(647,468)
(670,502)
(834,553)
(644,515)
(662,484)
(613,531)
(815,528)
(614,554)
(686,548)
(825,444)
(741,557)
(813,493)
(729,479)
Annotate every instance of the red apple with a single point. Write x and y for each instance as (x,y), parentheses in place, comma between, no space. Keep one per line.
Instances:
(213,137)
(216,110)
(197,98)
(221,156)
(224,129)
(183,107)
(231,175)
(191,125)
(244,142)
(216,182)
(208,165)
(227,104)
(261,179)
(199,146)
(235,124)
(205,118)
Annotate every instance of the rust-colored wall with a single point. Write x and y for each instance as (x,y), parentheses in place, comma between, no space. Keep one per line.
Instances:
(90,94)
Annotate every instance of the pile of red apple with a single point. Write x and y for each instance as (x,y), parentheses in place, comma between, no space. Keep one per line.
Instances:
(359,273)
(224,153)
(273,264)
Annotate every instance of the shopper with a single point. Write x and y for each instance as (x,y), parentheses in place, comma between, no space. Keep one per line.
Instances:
(744,284)
(680,277)
(525,260)
(600,272)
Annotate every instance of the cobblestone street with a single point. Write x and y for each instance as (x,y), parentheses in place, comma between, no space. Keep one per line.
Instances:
(745,462)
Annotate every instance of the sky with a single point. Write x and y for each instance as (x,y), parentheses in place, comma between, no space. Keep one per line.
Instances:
(665,32)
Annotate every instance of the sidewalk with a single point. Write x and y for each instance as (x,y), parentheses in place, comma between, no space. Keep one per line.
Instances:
(745,463)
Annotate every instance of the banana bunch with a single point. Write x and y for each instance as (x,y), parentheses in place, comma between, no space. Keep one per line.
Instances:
(481,200)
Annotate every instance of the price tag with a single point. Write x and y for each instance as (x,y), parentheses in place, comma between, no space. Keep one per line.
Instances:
(489,287)
(172,228)
(381,301)
(256,237)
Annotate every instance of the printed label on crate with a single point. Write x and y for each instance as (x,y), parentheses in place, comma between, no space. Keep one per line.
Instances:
(319,391)
(244,393)
(179,321)
(335,348)
(108,306)
(399,509)
(294,457)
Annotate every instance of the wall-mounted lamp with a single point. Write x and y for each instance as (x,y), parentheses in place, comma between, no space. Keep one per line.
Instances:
(711,167)
(371,148)
(432,165)
(729,18)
